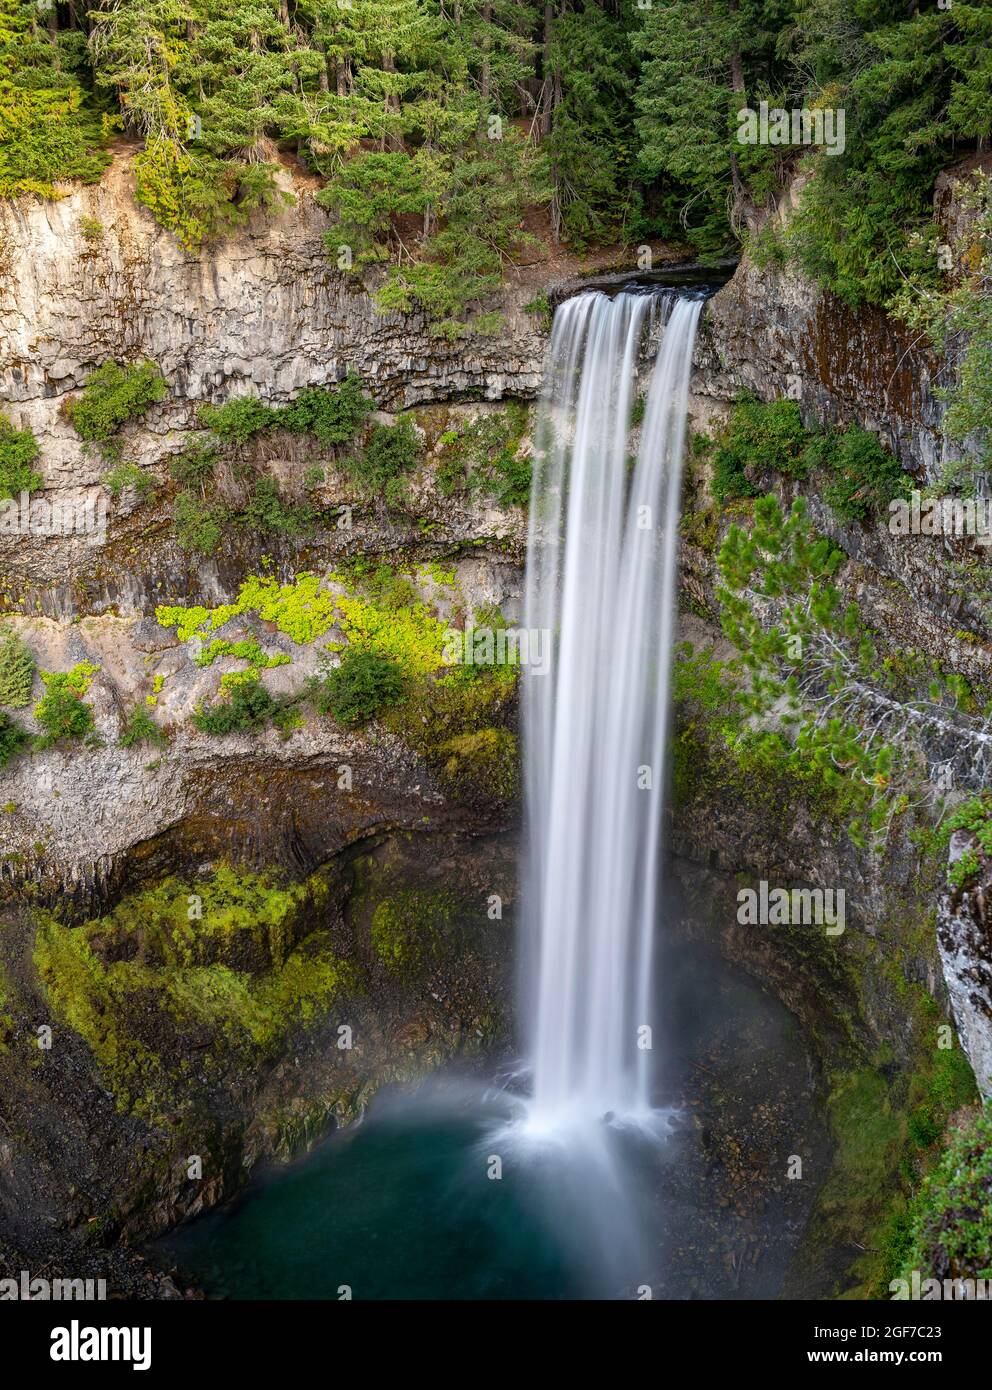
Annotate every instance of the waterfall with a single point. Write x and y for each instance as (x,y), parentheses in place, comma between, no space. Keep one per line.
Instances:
(601,576)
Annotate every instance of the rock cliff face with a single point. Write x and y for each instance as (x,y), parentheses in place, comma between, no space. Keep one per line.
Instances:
(773,332)
(92,278)
(264,312)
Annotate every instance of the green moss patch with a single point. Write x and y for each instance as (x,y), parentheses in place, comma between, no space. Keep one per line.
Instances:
(950,1221)
(409,926)
(190,976)
(482,765)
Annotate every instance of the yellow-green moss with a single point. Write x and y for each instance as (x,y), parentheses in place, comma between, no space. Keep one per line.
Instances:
(408,926)
(138,983)
(221,918)
(483,764)
(6,1020)
(303,609)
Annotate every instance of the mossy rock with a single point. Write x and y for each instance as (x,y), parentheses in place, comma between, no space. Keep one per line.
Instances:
(483,767)
(157,996)
(951,1216)
(245,921)
(409,927)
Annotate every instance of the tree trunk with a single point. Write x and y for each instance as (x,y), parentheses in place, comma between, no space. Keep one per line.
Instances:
(551,89)
(487,15)
(743,201)
(391,107)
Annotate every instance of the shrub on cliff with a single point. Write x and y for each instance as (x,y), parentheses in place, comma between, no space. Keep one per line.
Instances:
(267,512)
(47,131)
(12,738)
(194,465)
(332,414)
(18,451)
(355,692)
(247,709)
(951,1216)
(198,525)
(759,437)
(861,476)
(112,396)
(236,421)
(17,667)
(140,727)
(864,476)
(62,711)
(391,453)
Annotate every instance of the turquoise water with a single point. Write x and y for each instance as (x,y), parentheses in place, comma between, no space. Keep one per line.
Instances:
(404,1206)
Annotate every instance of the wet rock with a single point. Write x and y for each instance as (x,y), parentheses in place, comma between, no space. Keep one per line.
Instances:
(964,935)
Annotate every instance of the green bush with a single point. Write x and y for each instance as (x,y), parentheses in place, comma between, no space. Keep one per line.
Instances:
(391,453)
(18,451)
(62,712)
(125,475)
(12,738)
(112,396)
(541,306)
(509,479)
(865,477)
(951,1216)
(333,415)
(248,707)
(17,667)
(355,692)
(485,457)
(51,139)
(194,466)
(140,727)
(266,512)
(761,437)
(236,421)
(862,475)
(197,524)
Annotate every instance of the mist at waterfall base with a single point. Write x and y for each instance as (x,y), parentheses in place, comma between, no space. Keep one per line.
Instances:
(577,1139)
(402,1206)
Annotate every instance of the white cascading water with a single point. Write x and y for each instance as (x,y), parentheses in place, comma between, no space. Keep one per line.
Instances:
(601,575)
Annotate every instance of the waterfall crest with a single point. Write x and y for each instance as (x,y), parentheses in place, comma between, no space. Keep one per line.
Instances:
(601,576)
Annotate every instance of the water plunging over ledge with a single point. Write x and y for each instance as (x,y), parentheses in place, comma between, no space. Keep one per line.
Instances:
(403,1206)
(601,576)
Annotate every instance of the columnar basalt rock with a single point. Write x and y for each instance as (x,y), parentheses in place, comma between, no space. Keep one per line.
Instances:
(265,311)
(773,332)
